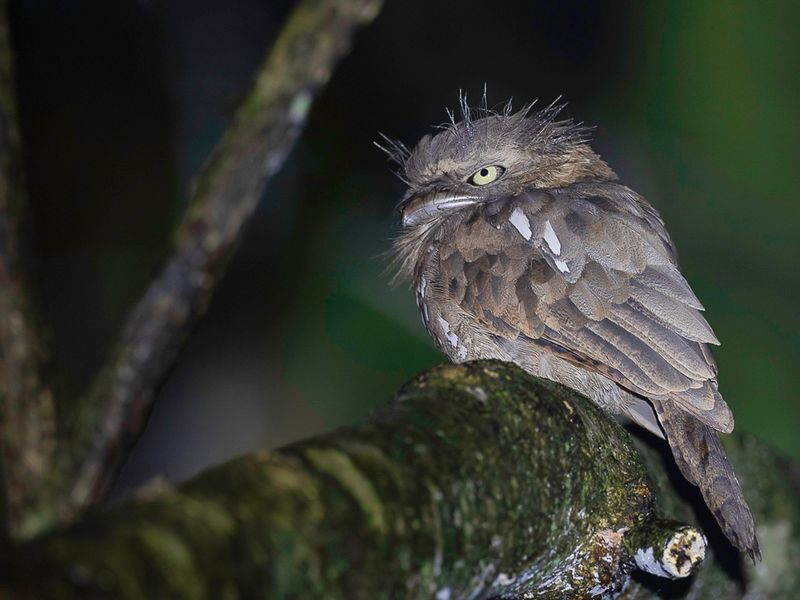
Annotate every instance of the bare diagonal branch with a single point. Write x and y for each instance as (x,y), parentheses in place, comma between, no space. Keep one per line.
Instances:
(317,34)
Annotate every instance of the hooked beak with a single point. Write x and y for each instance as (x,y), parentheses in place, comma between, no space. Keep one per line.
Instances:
(425,206)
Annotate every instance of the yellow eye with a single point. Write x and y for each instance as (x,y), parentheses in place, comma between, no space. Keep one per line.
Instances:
(486,175)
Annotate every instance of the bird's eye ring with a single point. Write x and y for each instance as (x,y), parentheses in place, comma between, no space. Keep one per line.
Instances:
(486,175)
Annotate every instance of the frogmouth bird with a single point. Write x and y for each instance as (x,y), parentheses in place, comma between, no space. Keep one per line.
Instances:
(523,246)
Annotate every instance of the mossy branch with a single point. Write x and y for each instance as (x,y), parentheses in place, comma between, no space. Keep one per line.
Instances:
(316,35)
(479,481)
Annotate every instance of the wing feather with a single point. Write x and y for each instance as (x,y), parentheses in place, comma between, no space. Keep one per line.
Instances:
(673,313)
(682,354)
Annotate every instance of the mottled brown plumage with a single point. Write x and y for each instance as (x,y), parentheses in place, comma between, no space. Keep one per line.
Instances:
(523,246)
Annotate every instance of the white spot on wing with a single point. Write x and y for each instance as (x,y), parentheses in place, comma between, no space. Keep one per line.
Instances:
(562,266)
(520,221)
(451,336)
(551,238)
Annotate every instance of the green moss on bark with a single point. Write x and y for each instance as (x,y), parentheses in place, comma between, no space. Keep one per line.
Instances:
(477,481)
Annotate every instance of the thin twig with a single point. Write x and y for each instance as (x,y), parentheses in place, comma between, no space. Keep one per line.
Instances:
(27,412)
(317,34)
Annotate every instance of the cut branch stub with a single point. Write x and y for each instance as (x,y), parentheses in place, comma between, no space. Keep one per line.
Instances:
(478,481)
(666,548)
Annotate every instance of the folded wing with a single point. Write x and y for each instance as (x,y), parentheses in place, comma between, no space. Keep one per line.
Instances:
(589,269)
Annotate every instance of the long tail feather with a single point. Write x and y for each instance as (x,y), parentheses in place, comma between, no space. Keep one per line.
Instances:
(701,458)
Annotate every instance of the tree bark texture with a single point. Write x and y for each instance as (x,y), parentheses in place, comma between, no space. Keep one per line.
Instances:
(478,481)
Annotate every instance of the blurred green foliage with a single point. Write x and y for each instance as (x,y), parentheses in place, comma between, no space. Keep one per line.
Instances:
(718,104)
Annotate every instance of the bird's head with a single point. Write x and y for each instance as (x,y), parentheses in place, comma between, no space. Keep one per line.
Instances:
(488,155)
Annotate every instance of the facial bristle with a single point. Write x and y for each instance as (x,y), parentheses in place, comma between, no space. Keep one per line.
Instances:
(396,150)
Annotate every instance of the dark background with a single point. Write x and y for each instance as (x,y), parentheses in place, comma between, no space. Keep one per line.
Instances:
(695,105)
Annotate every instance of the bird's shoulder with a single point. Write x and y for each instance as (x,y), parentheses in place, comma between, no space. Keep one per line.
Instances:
(556,241)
